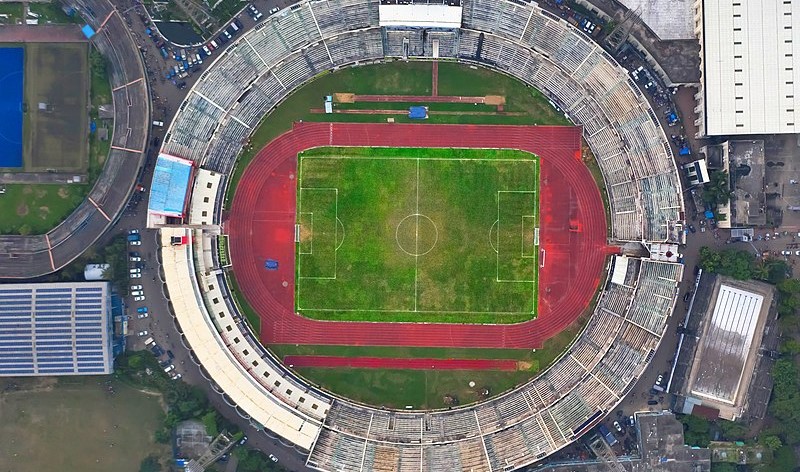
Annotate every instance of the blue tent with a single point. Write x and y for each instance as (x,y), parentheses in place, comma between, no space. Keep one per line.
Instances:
(418,113)
(709,214)
(672,118)
(685,151)
(87,31)
(271,264)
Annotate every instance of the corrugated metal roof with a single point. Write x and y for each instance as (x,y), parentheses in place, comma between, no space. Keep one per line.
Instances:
(170,185)
(751,84)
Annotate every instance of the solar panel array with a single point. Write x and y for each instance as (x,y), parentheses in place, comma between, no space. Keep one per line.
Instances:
(55,329)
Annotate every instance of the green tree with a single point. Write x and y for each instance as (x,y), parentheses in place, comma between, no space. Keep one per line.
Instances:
(733,263)
(210,422)
(150,464)
(162,436)
(716,191)
(732,431)
(773,443)
(696,430)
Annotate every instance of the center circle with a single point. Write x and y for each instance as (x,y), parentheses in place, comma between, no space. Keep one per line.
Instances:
(416,234)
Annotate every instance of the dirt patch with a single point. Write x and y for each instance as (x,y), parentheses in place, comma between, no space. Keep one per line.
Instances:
(27,190)
(63,192)
(344,97)
(40,193)
(43,212)
(525,365)
(495,100)
(22,209)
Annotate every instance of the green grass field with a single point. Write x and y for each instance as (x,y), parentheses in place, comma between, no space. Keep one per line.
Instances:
(37,208)
(74,425)
(56,138)
(425,235)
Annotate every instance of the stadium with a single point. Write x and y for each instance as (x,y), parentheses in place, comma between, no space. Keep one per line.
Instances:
(261,69)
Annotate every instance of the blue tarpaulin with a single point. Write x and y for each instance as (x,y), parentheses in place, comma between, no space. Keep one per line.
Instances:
(672,118)
(418,113)
(685,151)
(271,264)
(87,31)
(709,214)
(170,185)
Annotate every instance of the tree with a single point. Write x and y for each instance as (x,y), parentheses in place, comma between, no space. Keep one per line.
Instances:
(773,443)
(722,467)
(733,263)
(162,436)
(696,430)
(210,422)
(150,464)
(716,191)
(731,430)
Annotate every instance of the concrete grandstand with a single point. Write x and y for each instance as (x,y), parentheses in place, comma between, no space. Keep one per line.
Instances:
(31,256)
(519,427)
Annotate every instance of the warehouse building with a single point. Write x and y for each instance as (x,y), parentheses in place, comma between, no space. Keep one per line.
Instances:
(749,83)
(57,329)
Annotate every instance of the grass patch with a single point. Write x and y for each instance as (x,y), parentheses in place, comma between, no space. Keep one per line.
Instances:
(14,12)
(37,208)
(52,13)
(244,307)
(418,388)
(75,423)
(402,78)
(417,235)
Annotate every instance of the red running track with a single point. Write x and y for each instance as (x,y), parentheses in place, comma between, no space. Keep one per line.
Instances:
(400,363)
(572,234)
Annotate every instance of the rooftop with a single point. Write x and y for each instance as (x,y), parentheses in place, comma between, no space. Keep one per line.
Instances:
(170,186)
(675,22)
(729,338)
(55,329)
(745,161)
(741,42)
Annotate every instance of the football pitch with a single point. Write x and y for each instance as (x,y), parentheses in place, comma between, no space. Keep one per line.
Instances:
(417,235)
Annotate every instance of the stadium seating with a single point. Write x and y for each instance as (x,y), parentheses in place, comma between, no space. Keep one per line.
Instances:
(546,413)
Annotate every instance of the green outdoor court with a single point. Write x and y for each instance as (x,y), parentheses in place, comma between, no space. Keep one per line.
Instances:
(424,235)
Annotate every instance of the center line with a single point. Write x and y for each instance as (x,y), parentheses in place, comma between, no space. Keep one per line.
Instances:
(416,240)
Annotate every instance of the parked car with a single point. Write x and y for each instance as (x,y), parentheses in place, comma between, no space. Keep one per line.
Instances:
(243,440)
(652,402)
(142,334)
(133,231)
(176,376)
(142,316)
(617,426)
(207,50)
(137,293)
(133,254)
(135,270)
(631,420)
(692,229)
(136,287)
(169,368)
(135,243)
(140,298)
(136,276)
(272,11)
(142,309)
(135,259)
(273,458)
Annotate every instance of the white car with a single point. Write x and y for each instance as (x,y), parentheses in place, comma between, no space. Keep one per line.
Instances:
(135,270)
(273,458)
(135,259)
(142,334)
(138,299)
(169,368)
(142,315)
(272,11)
(137,293)
(133,231)
(786,253)
(136,287)
(176,376)
(136,276)
(135,243)
(617,426)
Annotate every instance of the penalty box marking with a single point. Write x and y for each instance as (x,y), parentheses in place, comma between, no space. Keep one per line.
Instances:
(335,232)
(522,233)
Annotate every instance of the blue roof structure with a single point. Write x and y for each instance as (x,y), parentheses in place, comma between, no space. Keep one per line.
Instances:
(87,31)
(55,329)
(170,185)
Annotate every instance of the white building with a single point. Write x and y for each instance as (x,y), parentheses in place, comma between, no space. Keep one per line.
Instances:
(750,84)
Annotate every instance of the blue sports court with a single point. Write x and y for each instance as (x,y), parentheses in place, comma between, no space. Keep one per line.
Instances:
(12,64)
